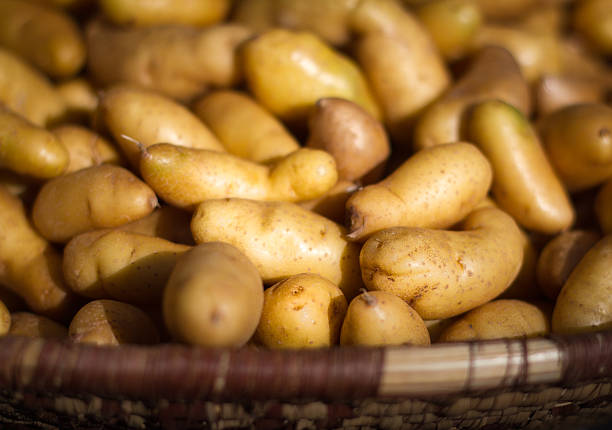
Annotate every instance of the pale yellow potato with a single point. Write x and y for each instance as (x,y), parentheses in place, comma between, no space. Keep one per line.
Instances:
(80,98)
(31,325)
(139,118)
(499,319)
(434,188)
(584,304)
(85,147)
(185,177)
(379,318)
(603,207)
(97,197)
(303,311)
(244,127)
(442,273)
(159,12)
(281,239)
(166,222)
(109,322)
(27,92)
(29,265)
(332,204)
(593,20)
(524,182)
(578,142)
(553,92)
(492,74)
(288,72)
(214,297)
(179,61)
(120,265)
(5,319)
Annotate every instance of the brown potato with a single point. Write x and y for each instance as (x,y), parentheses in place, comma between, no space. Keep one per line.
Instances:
(32,325)
(592,18)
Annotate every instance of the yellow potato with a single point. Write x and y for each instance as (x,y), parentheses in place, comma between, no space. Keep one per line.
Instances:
(603,207)
(185,177)
(128,267)
(378,318)
(244,127)
(499,319)
(80,98)
(584,304)
(303,311)
(331,204)
(148,13)
(27,92)
(434,188)
(214,297)
(289,71)
(32,325)
(29,265)
(166,222)
(109,322)
(524,183)
(445,273)
(593,20)
(178,61)
(97,197)
(5,319)
(46,37)
(281,239)
(137,117)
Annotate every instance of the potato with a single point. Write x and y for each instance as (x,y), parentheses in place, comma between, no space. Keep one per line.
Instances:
(434,188)
(244,127)
(560,256)
(178,61)
(553,92)
(357,141)
(503,9)
(493,74)
(184,177)
(592,19)
(289,71)
(46,37)
(303,311)
(128,267)
(578,142)
(281,239)
(258,15)
(524,286)
(603,207)
(80,98)
(85,147)
(166,222)
(525,184)
(28,149)
(109,322)
(27,92)
(29,265)
(436,327)
(584,305)
(147,13)
(441,273)
(32,325)
(97,197)
(499,319)
(214,297)
(5,319)
(331,204)
(379,318)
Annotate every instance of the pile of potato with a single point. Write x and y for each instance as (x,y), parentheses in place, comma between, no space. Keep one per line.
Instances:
(305,173)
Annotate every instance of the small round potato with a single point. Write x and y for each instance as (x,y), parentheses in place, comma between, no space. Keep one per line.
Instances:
(379,318)
(33,325)
(304,311)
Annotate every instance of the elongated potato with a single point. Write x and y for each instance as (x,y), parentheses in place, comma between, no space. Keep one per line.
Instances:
(499,319)
(32,325)
(379,318)
(5,319)
(134,115)
(29,93)
(281,239)
(524,184)
(244,127)
(303,311)
(445,273)
(109,322)
(434,188)
(185,177)
(29,265)
(289,71)
(603,207)
(97,197)
(214,297)
(128,267)
(584,304)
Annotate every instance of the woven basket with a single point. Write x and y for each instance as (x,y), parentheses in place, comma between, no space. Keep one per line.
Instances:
(553,382)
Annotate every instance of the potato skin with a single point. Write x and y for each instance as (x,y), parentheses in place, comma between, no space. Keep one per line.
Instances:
(445,273)
(5,319)
(281,239)
(32,325)
(214,297)
(379,318)
(303,311)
